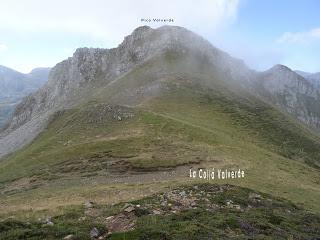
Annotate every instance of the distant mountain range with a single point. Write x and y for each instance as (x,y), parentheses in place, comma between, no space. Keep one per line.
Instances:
(15,85)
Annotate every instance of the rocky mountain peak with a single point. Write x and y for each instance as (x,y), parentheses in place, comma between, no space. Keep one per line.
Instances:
(283,76)
(77,78)
(101,66)
(290,92)
(280,67)
(141,31)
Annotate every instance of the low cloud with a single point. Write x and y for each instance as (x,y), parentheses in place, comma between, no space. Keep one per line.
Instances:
(300,37)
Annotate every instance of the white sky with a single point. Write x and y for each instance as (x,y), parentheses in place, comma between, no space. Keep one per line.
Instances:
(104,22)
(41,33)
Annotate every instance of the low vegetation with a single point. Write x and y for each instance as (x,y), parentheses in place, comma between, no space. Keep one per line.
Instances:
(201,211)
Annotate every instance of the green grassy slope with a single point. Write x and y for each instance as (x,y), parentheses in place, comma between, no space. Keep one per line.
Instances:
(197,119)
(184,127)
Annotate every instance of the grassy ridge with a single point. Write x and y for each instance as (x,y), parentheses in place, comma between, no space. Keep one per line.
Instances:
(184,127)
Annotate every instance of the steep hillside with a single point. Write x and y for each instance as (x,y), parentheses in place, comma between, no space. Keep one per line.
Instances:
(175,119)
(74,80)
(290,92)
(118,125)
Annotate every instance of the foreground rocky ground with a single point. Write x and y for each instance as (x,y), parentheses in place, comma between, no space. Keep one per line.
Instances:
(192,212)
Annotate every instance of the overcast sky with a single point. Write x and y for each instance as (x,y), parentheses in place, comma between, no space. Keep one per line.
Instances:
(41,33)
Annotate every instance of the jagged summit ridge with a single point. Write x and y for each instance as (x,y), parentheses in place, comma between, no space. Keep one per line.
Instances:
(92,68)
(77,78)
(98,66)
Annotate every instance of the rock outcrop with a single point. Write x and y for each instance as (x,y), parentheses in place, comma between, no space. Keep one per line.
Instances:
(290,92)
(79,76)
(89,70)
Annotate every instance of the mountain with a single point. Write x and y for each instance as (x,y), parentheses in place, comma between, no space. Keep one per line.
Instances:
(89,71)
(15,85)
(314,78)
(116,125)
(73,80)
(290,92)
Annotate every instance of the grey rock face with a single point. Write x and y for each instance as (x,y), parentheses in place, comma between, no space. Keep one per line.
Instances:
(76,79)
(91,68)
(290,92)
(314,78)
